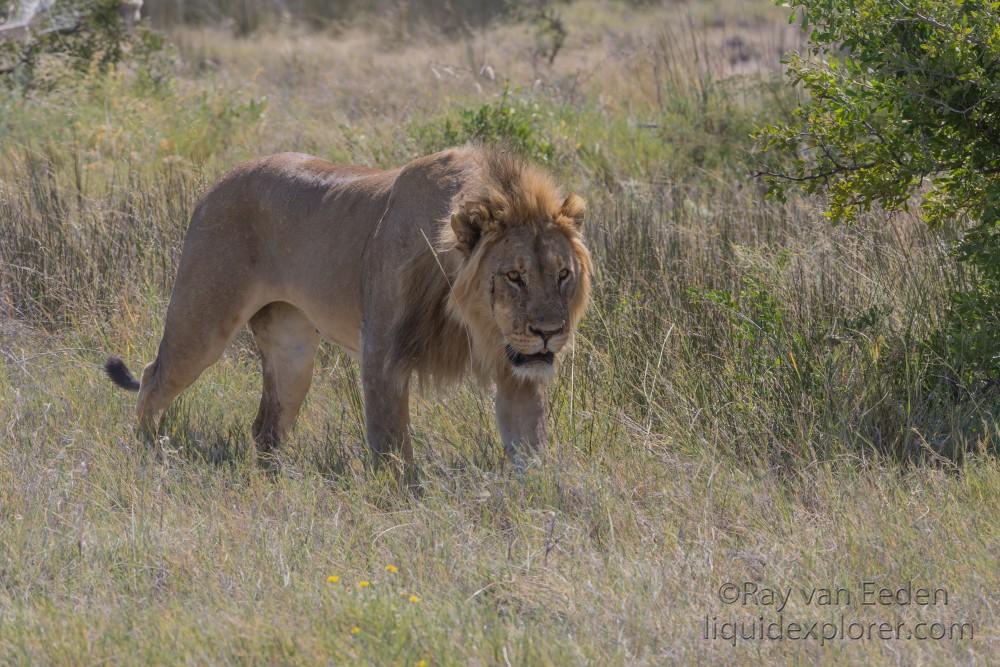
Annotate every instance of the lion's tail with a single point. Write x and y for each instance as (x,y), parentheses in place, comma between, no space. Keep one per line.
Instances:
(120,374)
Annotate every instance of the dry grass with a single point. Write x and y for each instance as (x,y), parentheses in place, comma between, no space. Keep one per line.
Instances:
(749,401)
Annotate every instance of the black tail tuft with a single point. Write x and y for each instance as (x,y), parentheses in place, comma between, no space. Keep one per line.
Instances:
(120,375)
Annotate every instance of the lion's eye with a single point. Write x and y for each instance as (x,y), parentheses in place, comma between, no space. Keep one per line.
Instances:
(515,277)
(563,275)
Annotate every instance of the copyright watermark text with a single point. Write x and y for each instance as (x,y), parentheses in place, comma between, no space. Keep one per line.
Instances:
(760,614)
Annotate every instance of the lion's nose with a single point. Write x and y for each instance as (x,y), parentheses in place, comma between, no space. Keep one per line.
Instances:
(546,333)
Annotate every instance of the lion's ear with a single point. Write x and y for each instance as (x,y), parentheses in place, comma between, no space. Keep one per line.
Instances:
(468,224)
(574,208)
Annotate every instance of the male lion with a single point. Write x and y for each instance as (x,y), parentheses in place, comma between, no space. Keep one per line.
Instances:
(468,259)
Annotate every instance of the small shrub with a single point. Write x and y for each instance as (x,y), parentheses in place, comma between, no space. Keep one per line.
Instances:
(550,33)
(514,122)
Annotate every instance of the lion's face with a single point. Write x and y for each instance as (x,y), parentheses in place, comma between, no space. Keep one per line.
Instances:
(529,288)
(533,276)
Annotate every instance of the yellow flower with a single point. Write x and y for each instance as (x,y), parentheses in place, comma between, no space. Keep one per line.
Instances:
(363,584)
(414,599)
(332,579)
(420,663)
(355,630)
(392,569)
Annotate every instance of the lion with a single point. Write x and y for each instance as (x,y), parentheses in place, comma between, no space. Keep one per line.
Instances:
(465,261)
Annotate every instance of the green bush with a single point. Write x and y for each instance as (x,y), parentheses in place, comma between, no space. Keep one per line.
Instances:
(903,107)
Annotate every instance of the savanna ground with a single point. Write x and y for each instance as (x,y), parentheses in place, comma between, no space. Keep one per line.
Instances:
(752,397)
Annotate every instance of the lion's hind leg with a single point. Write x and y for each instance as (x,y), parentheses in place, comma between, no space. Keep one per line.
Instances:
(195,335)
(168,375)
(287,341)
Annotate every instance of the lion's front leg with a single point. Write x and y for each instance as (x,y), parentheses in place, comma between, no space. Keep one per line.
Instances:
(387,410)
(520,407)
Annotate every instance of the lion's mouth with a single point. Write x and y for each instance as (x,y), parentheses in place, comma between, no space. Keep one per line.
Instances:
(518,359)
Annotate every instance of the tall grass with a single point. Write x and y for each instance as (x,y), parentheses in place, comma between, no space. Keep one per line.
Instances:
(749,398)
(248,16)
